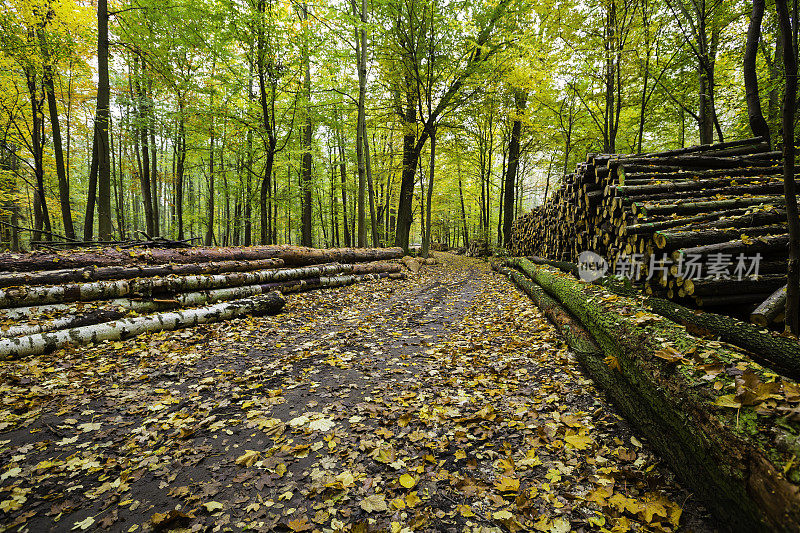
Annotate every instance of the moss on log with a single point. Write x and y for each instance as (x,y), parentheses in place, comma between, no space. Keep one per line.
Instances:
(738,473)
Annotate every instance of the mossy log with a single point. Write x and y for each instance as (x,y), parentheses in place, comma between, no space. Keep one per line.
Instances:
(17,347)
(735,474)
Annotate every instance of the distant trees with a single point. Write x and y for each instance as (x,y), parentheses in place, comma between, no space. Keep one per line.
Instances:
(392,122)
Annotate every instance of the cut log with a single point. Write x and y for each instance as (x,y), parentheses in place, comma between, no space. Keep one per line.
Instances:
(770,244)
(578,339)
(123,329)
(564,266)
(71,275)
(147,287)
(734,473)
(688,237)
(770,309)
(291,255)
(691,208)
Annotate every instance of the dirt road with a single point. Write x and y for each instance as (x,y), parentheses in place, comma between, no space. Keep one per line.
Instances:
(444,402)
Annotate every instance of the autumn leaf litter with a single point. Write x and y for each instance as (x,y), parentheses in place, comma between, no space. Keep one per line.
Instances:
(444,402)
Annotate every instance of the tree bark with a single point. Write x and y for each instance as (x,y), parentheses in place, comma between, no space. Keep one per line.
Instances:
(509,186)
(792,319)
(104,225)
(58,152)
(41,343)
(426,242)
(758,124)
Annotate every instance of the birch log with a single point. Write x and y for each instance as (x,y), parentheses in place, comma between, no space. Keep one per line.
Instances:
(291,255)
(92,273)
(113,309)
(147,287)
(15,348)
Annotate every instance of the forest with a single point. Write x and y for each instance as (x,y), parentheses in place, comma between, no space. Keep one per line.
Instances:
(239,122)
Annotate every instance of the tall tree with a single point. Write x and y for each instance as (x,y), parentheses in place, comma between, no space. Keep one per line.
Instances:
(787,28)
(754,114)
(104,226)
(510,179)
(306,206)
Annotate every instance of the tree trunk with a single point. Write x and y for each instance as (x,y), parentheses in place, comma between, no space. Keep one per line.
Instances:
(792,319)
(306,232)
(757,122)
(577,337)
(291,255)
(426,242)
(61,171)
(104,225)
(730,470)
(38,344)
(509,186)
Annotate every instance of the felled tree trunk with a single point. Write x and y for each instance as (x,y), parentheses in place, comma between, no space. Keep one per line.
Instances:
(731,471)
(291,255)
(771,310)
(130,327)
(147,287)
(91,273)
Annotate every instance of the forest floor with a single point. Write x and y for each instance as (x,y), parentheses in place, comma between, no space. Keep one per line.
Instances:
(444,402)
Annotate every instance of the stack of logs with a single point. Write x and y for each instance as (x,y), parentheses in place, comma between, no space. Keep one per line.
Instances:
(656,217)
(50,299)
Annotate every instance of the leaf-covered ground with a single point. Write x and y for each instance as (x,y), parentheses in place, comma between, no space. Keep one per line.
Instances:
(444,402)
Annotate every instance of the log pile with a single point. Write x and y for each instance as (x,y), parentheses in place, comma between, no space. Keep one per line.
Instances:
(103,293)
(687,224)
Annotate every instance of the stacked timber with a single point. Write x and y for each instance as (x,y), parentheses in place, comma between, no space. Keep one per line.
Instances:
(691,225)
(102,294)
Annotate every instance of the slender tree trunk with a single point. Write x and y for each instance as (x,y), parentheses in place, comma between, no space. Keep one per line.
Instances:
(343,173)
(789,110)
(61,171)
(757,122)
(91,195)
(210,213)
(180,167)
(511,172)
(370,192)
(143,148)
(151,126)
(308,134)
(104,225)
(426,242)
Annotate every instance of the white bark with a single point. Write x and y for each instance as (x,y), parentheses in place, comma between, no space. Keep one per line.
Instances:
(146,287)
(130,327)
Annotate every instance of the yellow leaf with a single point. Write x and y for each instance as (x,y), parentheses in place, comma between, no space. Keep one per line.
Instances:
(407,481)
(373,503)
(465,510)
(728,401)
(412,499)
(249,457)
(461,454)
(612,363)
(502,515)
(507,484)
(579,442)
(212,506)
(84,524)
(398,503)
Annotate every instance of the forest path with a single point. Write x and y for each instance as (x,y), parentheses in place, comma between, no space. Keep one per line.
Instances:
(443,402)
